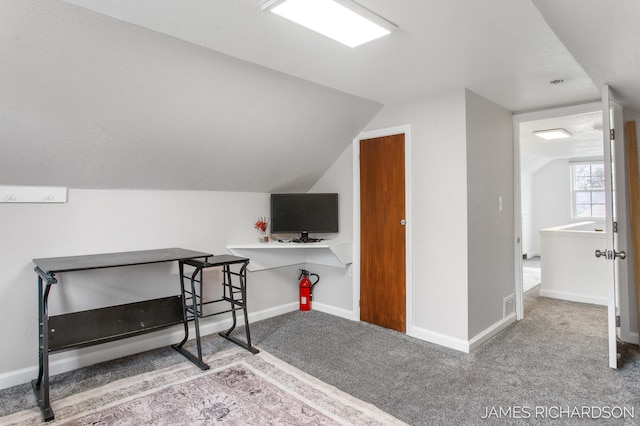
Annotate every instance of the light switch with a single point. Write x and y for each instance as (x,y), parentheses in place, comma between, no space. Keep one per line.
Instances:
(500,203)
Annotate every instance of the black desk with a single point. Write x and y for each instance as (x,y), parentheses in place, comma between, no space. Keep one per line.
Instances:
(86,328)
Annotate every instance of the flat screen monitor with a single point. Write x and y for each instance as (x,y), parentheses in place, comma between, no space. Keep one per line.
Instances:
(303,213)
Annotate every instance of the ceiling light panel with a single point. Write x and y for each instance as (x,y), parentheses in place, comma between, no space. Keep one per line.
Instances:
(341,20)
(551,134)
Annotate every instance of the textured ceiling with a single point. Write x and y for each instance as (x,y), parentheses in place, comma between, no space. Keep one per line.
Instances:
(604,38)
(90,102)
(218,95)
(500,49)
(585,140)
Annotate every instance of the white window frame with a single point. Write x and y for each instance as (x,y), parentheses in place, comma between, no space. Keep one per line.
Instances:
(574,191)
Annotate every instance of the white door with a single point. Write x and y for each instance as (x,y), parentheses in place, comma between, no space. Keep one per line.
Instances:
(610,254)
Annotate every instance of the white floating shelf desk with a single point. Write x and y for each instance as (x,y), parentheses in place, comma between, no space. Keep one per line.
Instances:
(276,254)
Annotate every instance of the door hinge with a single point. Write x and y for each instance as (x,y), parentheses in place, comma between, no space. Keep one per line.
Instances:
(615,226)
(612,132)
(617,320)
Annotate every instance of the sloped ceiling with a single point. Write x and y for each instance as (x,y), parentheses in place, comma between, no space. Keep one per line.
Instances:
(218,95)
(88,101)
(501,49)
(604,38)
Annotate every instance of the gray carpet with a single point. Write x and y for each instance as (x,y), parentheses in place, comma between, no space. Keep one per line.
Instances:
(555,358)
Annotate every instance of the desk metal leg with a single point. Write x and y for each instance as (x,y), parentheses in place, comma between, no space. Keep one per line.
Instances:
(184,308)
(190,312)
(228,284)
(193,303)
(41,384)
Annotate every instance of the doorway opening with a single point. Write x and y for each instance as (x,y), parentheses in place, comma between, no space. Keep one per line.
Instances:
(562,217)
(562,194)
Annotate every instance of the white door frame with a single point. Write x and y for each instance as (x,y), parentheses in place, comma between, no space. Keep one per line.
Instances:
(388,131)
(612,240)
(517,119)
(622,278)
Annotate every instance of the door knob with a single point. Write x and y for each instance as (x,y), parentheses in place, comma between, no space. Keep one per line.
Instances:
(403,222)
(610,254)
(600,253)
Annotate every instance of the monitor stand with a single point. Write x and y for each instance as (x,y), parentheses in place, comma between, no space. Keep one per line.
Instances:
(304,238)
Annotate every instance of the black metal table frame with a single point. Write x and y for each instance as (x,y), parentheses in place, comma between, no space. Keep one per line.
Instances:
(187,312)
(194,310)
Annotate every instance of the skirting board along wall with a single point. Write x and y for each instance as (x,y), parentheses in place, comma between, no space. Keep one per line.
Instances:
(573,297)
(436,338)
(328,309)
(479,339)
(459,344)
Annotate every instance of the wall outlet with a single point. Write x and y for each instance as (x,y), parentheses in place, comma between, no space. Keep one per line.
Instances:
(508,305)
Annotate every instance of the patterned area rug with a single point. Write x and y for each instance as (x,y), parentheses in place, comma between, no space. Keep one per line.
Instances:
(239,389)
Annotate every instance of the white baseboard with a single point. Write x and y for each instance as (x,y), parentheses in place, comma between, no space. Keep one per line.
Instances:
(573,297)
(490,332)
(332,310)
(630,337)
(460,344)
(439,339)
(73,359)
(273,312)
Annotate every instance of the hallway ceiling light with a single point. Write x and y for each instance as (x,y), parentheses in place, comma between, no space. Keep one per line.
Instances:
(552,134)
(342,20)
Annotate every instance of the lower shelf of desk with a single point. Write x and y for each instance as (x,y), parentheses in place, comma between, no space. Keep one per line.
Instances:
(91,327)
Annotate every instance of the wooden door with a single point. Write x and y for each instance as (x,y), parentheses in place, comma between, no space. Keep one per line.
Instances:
(382,232)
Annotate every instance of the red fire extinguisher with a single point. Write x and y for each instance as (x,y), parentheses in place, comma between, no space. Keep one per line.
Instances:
(306,289)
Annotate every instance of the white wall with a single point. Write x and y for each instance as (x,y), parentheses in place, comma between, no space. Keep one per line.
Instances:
(528,231)
(551,197)
(439,200)
(551,204)
(570,271)
(94,221)
(334,293)
(490,226)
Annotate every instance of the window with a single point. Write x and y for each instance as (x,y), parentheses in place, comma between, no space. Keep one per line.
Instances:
(587,189)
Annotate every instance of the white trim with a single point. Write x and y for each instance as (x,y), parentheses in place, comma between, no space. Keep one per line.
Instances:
(406,129)
(573,297)
(610,237)
(517,222)
(624,242)
(332,310)
(71,360)
(557,112)
(482,337)
(574,191)
(459,344)
(630,337)
(517,214)
(439,339)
